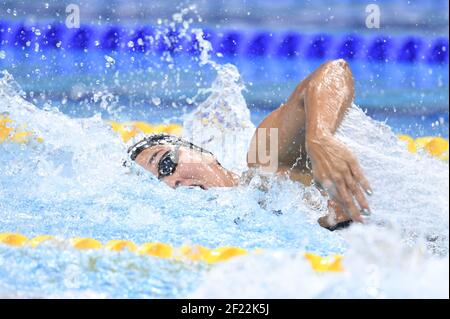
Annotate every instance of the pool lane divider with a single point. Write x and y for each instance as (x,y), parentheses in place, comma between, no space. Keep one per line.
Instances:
(128,130)
(227,42)
(434,145)
(195,253)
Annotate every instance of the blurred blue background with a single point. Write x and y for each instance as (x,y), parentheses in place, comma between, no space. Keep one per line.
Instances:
(115,65)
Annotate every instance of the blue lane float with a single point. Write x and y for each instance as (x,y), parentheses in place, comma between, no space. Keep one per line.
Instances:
(410,49)
(229,43)
(349,46)
(380,49)
(289,46)
(51,37)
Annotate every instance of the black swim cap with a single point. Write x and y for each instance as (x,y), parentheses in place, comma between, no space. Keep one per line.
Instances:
(161,139)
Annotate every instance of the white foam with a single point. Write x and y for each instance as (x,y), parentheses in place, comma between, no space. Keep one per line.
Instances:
(221,123)
(375,267)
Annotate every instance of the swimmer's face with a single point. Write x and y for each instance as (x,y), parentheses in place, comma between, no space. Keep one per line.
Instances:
(194,169)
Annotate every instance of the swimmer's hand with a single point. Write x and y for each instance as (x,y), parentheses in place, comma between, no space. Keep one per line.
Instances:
(337,171)
(336,217)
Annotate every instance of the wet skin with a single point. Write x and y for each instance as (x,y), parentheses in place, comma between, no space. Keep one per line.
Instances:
(194,169)
(306,124)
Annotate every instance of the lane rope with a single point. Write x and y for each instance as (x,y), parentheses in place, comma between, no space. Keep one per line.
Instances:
(435,146)
(248,43)
(195,253)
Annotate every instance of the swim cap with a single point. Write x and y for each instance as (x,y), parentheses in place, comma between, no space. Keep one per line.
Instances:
(161,139)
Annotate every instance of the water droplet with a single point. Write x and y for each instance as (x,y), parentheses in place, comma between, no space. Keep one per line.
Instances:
(156,101)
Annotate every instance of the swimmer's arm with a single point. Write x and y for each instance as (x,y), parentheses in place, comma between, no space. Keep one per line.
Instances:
(327,97)
(289,122)
(290,119)
(306,124)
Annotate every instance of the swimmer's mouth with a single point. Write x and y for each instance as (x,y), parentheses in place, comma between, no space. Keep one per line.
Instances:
(199,186)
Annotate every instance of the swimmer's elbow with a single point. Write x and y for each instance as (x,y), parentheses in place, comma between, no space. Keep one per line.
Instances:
(340,74)
(339,66)
(341,63)
(334,73)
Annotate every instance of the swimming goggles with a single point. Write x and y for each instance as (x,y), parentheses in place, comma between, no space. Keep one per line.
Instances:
(168,163)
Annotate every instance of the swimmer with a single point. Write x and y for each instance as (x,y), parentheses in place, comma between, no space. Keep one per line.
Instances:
(307,150)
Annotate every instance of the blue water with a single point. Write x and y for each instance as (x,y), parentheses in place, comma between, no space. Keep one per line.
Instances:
(73,184)
(76,186)
(411,97)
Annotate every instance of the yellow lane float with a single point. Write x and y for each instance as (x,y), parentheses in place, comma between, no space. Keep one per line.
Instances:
(128,130)
(157,250)
(119,245)
(85,243)
(325,264)
(16,134)
(222,254)
(162,250)
(194,253)
(435,146)
(12,239)
(410,144)
(438,147)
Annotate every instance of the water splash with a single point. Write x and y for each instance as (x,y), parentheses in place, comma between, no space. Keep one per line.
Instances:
(410,190)
(376,266)
(221,123)
(74,184)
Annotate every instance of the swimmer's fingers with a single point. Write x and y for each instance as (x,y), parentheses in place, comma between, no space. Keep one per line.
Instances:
(358,194)
(359,176)
(344,197)
(363,204)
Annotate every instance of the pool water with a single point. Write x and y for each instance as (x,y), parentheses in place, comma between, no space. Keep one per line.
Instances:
(74,185)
